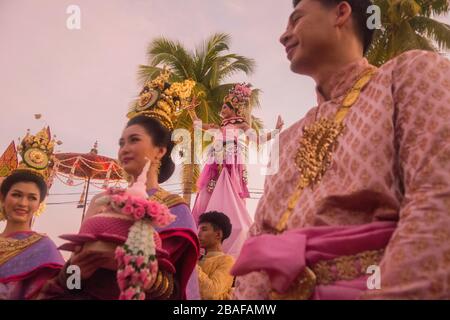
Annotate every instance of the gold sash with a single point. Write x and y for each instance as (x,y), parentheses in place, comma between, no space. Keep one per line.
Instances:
(317,144)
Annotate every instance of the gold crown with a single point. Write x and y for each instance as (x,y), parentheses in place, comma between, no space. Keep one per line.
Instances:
(162,100)
(37,153)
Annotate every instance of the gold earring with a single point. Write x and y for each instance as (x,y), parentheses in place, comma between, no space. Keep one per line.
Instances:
(159,167)
(2,213)
(41,209)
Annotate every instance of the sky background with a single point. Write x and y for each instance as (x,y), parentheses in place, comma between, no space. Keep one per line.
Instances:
(82,81)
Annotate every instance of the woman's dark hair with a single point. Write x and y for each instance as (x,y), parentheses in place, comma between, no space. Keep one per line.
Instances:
(24,176)
(161,137)
(359,14)
(218,220)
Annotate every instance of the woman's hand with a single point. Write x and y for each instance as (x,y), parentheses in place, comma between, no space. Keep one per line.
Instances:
(89,261)
(191,108)
(280,124)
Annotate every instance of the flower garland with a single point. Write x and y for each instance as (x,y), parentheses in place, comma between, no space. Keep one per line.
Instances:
(136,259)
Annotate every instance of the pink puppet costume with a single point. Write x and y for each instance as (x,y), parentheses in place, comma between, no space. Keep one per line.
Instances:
(222,183)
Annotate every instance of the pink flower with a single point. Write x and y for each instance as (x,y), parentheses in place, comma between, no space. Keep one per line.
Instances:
(128,209)
(141,296)
(129,201)
(153,268)
(122,284)
(139,212)
(138,202)
(127,294)
(148,282)
(164,219)
(153,209)
(127,258)
(135,279)
(140,260)
(144,274)
(128,271)
(120,253)
(120,275)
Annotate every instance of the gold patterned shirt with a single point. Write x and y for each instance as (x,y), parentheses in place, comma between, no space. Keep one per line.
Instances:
(214,276)
(391,163)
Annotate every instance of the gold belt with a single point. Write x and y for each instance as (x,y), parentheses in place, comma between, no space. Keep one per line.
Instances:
(329,271)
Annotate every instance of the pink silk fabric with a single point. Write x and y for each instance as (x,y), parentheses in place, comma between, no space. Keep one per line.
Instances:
(283,257)
(391,163)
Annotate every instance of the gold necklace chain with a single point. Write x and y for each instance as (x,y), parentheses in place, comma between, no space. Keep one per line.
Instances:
(316,146)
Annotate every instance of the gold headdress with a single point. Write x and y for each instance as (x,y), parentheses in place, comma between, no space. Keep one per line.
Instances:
(162,100)
(37,158)
(8,161)
(37,153)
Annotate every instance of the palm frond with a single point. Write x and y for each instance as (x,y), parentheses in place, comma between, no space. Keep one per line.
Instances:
(257,123)
(238,64)
(173,54)
(254,99)
(425,43)
(433,7)
(378,53)
(432,29)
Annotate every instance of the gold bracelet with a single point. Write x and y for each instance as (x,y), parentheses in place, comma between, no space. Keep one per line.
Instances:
(157,283)
(163,288)
(169,290)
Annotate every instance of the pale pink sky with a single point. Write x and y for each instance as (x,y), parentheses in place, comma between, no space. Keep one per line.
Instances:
(83,80)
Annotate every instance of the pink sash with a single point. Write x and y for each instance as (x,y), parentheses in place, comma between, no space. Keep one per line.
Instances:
(283,257)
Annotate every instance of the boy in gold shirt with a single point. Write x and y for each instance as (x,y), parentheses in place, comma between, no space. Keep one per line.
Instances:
(214,267)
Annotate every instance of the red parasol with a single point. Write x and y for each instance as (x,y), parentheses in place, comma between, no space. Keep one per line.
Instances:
(87,167)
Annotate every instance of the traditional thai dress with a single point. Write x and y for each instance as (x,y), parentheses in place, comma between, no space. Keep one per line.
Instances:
(179,254)
(27,261)
(222,185)
(214,276)
(380,194)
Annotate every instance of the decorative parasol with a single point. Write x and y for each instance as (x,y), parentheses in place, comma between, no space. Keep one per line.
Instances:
(74,169)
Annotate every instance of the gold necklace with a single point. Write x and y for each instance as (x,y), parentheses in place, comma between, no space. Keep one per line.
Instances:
(316,146)
(10,247)
(158,195)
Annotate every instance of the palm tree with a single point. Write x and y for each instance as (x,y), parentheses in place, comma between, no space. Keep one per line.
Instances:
(209,65)
(407,25)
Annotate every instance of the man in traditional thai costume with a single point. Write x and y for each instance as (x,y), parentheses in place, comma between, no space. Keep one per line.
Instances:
(147,137)
(214,267)
(27,258)
(360,206)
